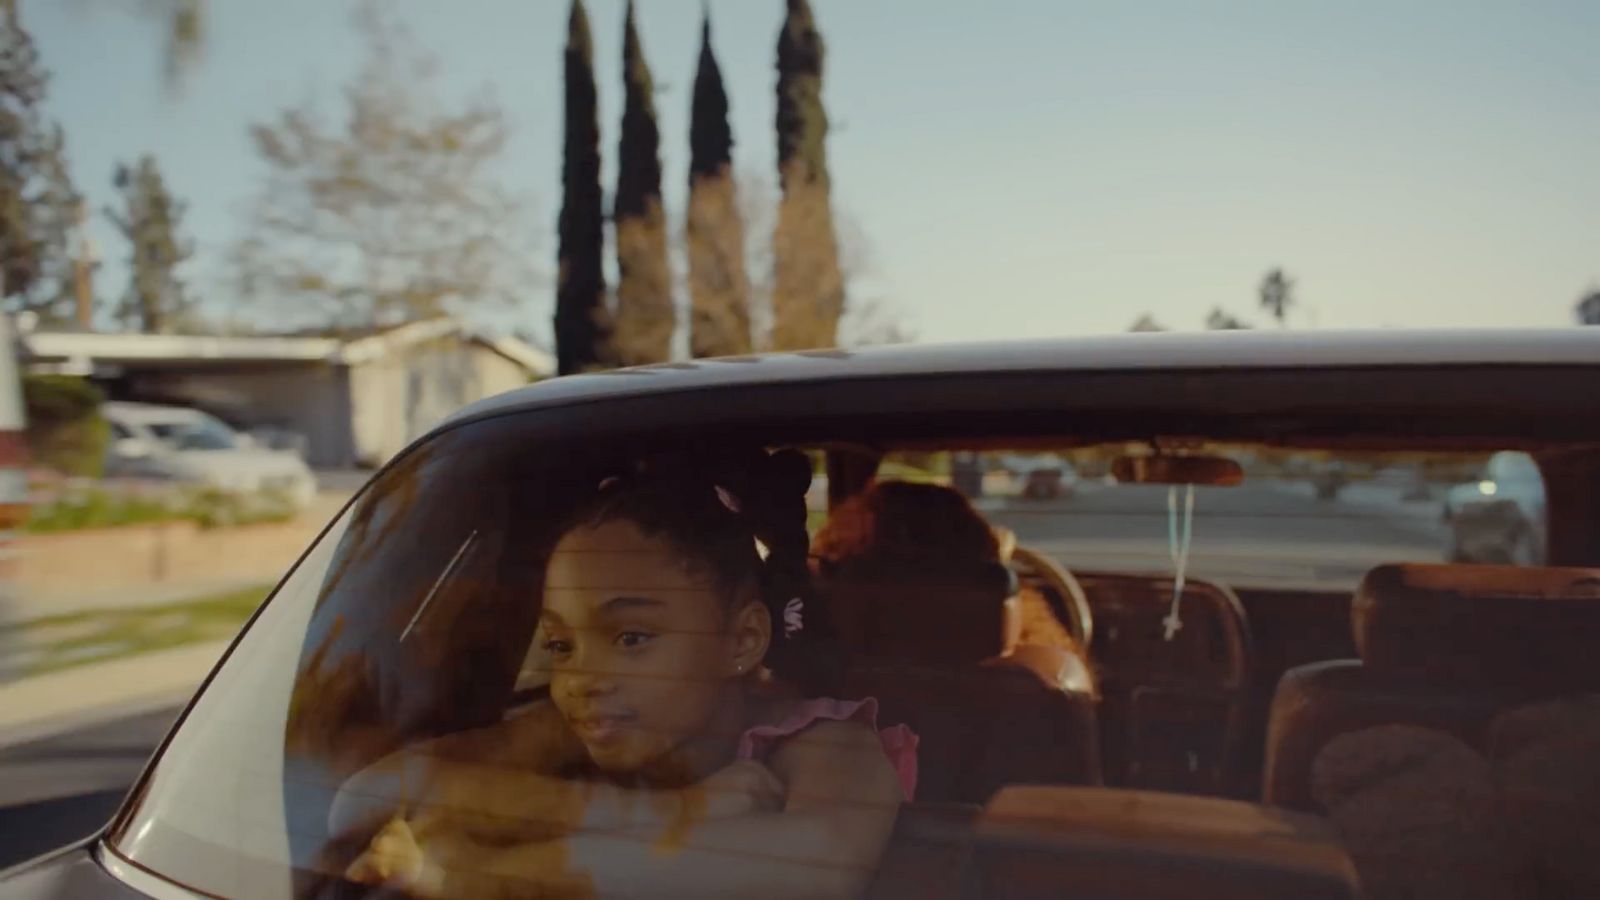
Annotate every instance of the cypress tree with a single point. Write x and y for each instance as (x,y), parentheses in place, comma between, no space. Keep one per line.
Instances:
(719,290)
(808,289)
(644,315)
(582,324)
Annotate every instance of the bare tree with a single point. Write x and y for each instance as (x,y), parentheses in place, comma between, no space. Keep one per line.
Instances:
(395,212)
(1222,320)
(1146,322)
(184,23)
(156,300)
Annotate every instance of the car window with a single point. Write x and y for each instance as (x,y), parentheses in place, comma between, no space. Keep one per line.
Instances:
(202,433)
(525,659)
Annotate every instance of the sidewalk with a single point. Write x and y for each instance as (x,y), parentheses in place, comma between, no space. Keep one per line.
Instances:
(22,609)
(44,705)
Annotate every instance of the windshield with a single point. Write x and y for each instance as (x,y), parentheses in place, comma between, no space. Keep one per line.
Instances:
(195,434)
(589,665)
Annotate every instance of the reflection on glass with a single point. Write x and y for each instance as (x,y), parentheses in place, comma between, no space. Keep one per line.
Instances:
(663,747)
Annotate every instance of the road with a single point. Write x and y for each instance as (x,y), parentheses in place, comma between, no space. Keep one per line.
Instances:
(59,789)
(1260,533)
(56,790)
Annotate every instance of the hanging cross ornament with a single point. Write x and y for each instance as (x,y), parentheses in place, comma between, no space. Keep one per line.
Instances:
(1178,547)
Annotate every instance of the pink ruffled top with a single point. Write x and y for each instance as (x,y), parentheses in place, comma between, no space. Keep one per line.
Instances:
(899,741)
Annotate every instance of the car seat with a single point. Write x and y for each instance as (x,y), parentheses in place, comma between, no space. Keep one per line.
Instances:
(929,641)
(1460,755)
(1441,646)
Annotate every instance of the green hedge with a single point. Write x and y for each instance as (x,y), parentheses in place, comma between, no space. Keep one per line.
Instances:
(95,507)
(65,429)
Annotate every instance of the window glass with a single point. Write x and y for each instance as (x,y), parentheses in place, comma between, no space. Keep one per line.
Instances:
(656,670)
(196,434)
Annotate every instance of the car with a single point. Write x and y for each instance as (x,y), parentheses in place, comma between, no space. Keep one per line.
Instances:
(1044,476)
(193,447)
(1329,479)
(1501,516)
(1258,658)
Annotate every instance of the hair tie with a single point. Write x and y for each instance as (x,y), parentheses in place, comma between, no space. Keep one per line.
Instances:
(793,623)
(728,499)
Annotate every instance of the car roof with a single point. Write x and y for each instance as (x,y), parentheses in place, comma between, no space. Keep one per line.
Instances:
(1147,351)
(148,413)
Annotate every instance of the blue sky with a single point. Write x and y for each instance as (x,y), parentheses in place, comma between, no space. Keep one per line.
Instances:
(1017,167)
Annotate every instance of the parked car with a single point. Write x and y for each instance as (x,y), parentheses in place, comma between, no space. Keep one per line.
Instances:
(361,728)
(1044,476)
(1499,518)
(194,447)
(1329,479)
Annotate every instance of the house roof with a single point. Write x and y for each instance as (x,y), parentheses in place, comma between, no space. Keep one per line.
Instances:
(88,347)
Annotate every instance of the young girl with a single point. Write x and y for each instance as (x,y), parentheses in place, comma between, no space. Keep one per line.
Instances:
(699,776)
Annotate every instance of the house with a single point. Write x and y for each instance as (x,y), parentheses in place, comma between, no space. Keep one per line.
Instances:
(343,402)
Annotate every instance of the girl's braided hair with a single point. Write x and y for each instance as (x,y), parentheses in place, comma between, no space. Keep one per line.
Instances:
(742,517)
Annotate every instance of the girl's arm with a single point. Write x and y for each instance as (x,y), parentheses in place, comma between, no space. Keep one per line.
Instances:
(492,784)
(842,799)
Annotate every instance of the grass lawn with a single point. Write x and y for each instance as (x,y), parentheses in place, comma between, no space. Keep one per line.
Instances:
(91,636)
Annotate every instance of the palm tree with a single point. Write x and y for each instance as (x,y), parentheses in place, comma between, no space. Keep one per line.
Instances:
(1277,295)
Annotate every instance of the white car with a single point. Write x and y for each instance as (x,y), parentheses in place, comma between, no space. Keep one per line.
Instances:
(1043,476)
(190,446)
(1501,517)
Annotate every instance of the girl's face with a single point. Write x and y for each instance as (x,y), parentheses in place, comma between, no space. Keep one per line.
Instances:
(646,657)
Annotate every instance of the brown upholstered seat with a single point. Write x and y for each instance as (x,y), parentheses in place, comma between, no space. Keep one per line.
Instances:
(923,612)
(1442,646)
(1135,845)
(929,856)
(930,643)
(1172,710)
(980,728)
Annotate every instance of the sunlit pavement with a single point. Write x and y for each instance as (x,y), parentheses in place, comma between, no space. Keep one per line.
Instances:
(1263,533)
(59,789)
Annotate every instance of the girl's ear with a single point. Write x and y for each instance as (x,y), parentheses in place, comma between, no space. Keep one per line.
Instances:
(751,631)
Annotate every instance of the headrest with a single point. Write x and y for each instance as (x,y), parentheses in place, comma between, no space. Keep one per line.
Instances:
(932,612)
(1481,625)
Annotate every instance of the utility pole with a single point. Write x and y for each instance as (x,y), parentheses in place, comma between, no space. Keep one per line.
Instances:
(84,261)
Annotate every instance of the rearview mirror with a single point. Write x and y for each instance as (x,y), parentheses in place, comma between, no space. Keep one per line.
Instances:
(1216,471)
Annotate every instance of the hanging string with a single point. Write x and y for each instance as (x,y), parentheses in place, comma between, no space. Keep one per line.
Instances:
(1178,548)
